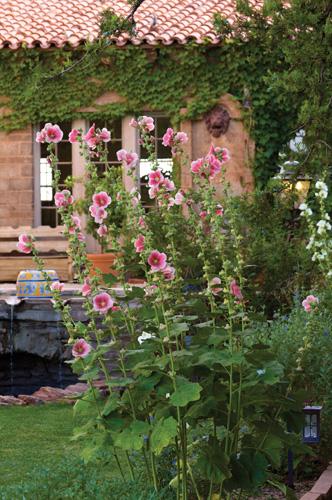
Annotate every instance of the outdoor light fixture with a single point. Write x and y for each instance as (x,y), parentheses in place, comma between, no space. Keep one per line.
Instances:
(295,182)
(311,429)
(310,435)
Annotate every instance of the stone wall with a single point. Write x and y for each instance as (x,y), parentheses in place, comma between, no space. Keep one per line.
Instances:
(16,178)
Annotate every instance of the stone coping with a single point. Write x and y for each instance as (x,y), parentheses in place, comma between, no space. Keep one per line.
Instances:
(322,489)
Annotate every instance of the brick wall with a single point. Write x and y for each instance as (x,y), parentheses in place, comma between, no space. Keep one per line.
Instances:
(16,178)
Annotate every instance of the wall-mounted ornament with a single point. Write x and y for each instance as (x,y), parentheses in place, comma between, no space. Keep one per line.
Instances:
(217,121)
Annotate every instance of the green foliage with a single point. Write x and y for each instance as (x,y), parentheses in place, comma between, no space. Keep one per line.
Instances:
(303,29)
(165,79)
(71,478)
(277,263)
(287,336)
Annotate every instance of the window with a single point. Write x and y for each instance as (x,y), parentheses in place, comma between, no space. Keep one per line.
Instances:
(63,150)
(115,143)
(164,157)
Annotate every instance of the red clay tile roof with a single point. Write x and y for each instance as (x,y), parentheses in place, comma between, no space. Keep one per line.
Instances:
(43,23)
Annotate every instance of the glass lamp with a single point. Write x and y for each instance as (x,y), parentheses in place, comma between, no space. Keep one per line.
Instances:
(311,429)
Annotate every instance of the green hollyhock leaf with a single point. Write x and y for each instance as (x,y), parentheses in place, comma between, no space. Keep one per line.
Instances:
(111,404)
(185,392)
(163,433)
(131,438)
(213,463)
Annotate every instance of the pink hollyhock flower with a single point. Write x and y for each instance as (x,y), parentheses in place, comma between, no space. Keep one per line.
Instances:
(53,133)
(86,288)
(169,273)
(116,308)
(179,198)
(197,166)
(75,224)
(73,135)
(41,136)
(139,243)
(135,201)
(141,222)
(215,289)
(57,286)
(24,243)
(222,154)
(146,123)
(104,135)
(156,178)
(63,198)
(181,138)
(157,261)
(214,165)
(101,199)
(168,138)
(309,302)
(236,290)
(129,159)
(203,214)
(102,231)
(171,203)
(153,191)
(133,123)
(100,214)
(102,303)
(81,349)
(91,138)
(80,236)
(168,185)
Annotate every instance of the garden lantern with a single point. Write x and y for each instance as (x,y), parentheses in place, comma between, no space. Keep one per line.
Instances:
(311,429)
(295,182)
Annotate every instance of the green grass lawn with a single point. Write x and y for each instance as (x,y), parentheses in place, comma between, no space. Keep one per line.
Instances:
(38,461)
(34,435)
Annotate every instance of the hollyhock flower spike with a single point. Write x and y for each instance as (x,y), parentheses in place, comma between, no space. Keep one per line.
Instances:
(139,243)
(101,199)
(236,290)
(57,286)
(81,349)
(197,166)
(50,134)
(102,303)
(73,135)
(24,244)
(157,261)
(129,159)
(309,303)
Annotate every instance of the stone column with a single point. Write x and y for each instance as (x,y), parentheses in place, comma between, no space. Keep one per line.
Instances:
(130,143)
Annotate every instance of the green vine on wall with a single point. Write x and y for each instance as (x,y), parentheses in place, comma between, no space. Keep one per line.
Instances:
(165,79)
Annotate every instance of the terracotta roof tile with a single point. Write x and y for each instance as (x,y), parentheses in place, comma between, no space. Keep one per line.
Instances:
(36,23)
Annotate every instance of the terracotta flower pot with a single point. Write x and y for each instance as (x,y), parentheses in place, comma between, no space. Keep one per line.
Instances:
(104,262)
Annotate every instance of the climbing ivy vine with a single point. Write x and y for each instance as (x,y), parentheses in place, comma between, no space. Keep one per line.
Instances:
(166,79)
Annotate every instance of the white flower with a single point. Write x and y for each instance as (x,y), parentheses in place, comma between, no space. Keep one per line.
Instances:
(323,225)
(167,395)
(329,274)
(321,186)
(260,372)
(145,336)
(303,207)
